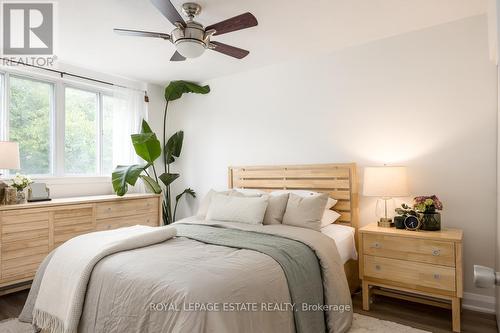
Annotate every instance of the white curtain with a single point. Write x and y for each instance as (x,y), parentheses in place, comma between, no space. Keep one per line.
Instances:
(129,109)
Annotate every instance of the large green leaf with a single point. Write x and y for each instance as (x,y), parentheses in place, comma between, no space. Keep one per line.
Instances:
(145,127)
(168,178)
(188,191)
(125,174)
(174,146)
(151,184)
(147,146)
(176,89)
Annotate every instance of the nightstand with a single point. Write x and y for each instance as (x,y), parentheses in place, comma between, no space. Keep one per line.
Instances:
(420,266)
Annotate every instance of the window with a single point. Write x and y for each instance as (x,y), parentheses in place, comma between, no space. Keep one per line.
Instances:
(81,132)
(64,129)
(30,118)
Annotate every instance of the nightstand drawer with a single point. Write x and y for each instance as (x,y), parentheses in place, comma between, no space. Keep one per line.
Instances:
(410,273)
(412,249)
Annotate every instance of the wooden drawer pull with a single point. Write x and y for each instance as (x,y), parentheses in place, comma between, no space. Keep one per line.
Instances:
(436,276)
(436,252)
(378,268)
(376,245)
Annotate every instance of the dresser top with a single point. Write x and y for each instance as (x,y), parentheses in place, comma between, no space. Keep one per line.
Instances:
(444,234)
(77,200)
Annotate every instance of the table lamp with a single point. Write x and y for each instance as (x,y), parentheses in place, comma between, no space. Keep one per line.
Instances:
(9,159)
(386,182)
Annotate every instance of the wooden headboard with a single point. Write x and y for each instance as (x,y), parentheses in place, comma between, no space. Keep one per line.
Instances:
(339,180)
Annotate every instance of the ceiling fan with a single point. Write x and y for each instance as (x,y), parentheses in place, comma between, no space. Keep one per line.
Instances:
(191,38)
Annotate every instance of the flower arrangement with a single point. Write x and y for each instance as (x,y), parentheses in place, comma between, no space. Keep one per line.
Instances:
(20,182)
(427,204)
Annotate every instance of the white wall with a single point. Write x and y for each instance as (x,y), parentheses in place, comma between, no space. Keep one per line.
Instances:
(425,99)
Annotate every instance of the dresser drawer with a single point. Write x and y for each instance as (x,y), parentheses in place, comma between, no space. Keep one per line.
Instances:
(126,208)
(150,219)
(412,249)
(410,273)
(72,222)
(25,242)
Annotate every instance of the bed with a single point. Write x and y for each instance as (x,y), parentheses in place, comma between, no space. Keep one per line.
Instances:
(338,180)
(215,276)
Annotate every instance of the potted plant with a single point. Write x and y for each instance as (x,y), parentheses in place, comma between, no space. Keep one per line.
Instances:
(20,182)
(150,149)
(403,213)
(427,207)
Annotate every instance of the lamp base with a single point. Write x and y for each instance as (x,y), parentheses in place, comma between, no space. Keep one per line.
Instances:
(385,222)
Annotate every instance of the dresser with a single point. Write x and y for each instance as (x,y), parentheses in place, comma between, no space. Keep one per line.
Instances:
(420,266)
(28,232)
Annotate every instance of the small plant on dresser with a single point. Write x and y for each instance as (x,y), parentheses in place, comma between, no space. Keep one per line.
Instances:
(424,210)
(20,182)
(428,206)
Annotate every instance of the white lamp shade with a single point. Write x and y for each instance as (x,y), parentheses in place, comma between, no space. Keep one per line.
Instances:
(386,182)
(9,155)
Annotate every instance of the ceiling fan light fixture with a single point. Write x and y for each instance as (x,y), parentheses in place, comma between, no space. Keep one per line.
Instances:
(192,38)
(190,48)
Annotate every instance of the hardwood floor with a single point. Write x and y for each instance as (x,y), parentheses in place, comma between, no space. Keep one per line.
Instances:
(407,313)
(425,317)
(12,304)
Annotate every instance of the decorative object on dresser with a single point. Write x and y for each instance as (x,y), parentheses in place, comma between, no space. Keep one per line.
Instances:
(20,182)
(38,192)
(9,160)
(412,223)
(427,206)
(10,196)
(423,266)
(28,232)
(403,213)
(385,182)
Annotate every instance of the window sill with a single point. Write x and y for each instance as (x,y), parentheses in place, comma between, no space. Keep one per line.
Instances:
(66,180)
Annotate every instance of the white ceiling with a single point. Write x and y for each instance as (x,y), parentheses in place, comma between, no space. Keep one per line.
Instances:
(287,29)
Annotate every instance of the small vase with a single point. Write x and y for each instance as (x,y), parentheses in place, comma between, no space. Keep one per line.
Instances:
(399,222)
(431,221)
(20,197)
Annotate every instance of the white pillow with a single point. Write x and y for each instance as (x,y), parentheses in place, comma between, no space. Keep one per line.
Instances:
(331,202)
(205,203)
(249,210)
(275,209)
(305,212)
(304,193)
(329,217)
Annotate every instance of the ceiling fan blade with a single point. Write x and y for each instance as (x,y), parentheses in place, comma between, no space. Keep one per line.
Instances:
(229,50)
(140,33)
(239,22)
(168,10)
(177,57)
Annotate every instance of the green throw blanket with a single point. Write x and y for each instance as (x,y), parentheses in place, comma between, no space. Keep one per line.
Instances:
(298,261)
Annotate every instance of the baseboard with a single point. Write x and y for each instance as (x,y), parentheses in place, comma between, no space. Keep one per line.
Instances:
(478,302)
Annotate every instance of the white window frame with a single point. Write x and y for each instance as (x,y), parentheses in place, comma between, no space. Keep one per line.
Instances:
(58,120)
